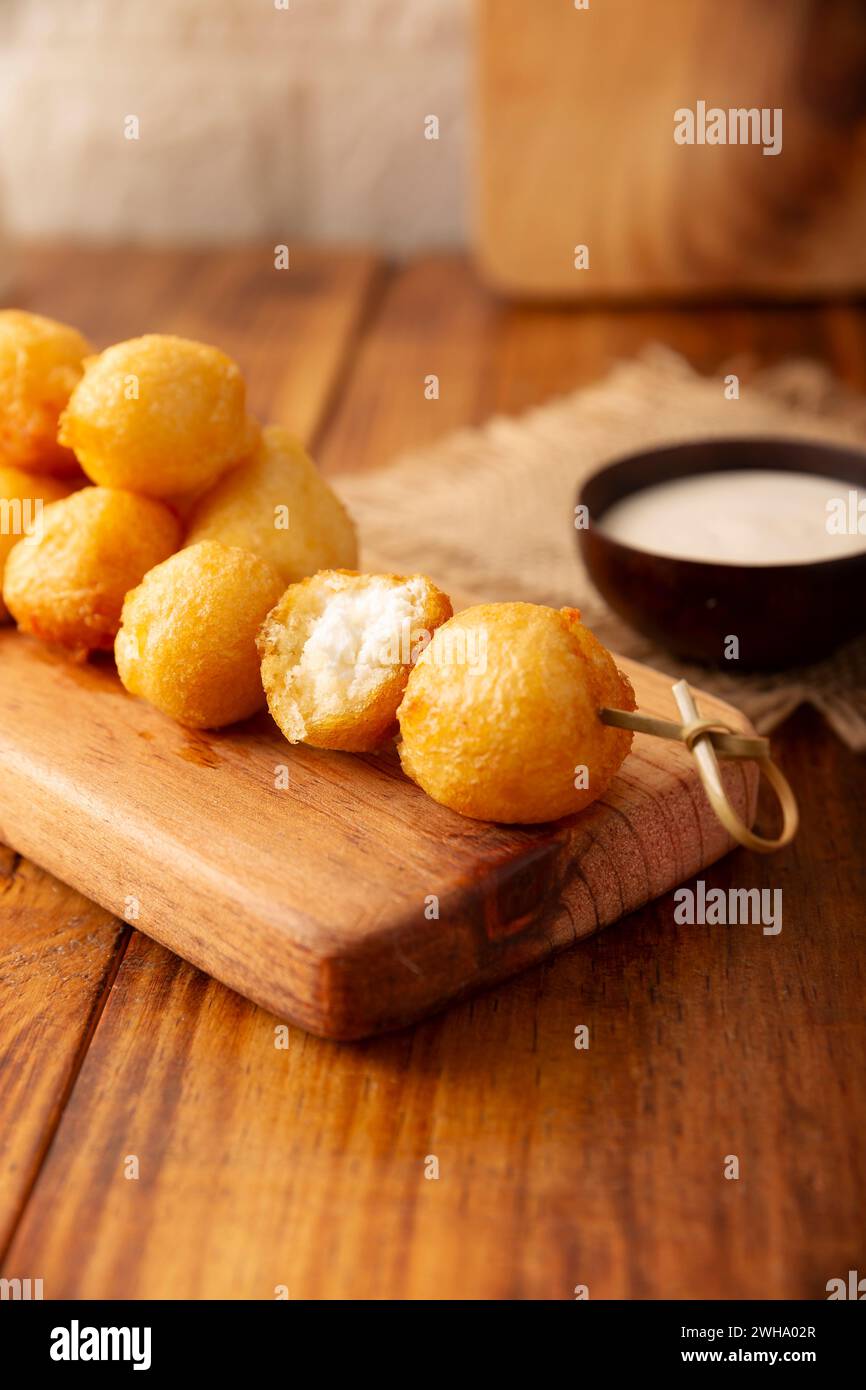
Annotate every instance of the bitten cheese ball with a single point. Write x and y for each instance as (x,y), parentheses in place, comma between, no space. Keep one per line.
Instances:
(278,506)
(66,583)
(500,712)
(40,364)
(158,415)
(337,651)
(22,498)
(187,640)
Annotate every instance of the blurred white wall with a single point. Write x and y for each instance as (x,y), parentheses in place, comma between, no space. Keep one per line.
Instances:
(253,121)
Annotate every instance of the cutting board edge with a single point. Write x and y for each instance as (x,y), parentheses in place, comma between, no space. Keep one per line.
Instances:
(338,963)
(334,1005)
(562,924)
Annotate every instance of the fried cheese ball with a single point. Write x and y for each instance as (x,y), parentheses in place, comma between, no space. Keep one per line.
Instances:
(158,415)
(280,507)
(500,712)
(40,364)
(22,498)
(187,640)
(337,651)
(66,583)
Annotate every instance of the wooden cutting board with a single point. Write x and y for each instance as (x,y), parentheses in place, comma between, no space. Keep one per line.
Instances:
(312,898)
(575,117)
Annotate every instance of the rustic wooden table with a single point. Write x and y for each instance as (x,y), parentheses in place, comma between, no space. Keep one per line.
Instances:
(305,1168)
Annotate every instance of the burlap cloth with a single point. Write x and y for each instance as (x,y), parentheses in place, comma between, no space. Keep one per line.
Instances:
(489,513)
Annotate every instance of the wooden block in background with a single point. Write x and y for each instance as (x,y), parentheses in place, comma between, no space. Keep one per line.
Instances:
(575,121)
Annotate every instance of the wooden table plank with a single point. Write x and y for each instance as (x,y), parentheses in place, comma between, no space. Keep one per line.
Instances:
(305,1167)
(491,356)
(58,955)
(292,332)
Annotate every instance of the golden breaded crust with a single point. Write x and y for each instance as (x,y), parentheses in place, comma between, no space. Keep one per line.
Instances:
(187,641)
(278,506)
(500,711)
(158,415)
(66,583)
(41,362)
(22,497)
(337,651)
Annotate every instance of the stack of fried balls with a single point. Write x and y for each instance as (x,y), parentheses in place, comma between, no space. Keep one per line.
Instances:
(221,569)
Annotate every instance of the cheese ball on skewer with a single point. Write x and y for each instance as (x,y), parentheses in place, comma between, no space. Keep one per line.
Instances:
(158,415)
(337,651)
(23,497)
(278,506)
(500,713)
(66,582)
(41,362)
(187,640)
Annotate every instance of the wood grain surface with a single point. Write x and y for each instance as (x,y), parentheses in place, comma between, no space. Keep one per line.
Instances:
(58,953)
(309,897)
(575,116)
(235,298)
(305,1167)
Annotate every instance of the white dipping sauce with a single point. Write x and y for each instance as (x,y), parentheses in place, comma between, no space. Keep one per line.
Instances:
(745,517)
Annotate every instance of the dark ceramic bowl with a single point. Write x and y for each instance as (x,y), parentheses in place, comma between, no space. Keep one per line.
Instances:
(783,615)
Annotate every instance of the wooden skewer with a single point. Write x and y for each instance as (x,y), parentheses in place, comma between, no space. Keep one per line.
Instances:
(705,739)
